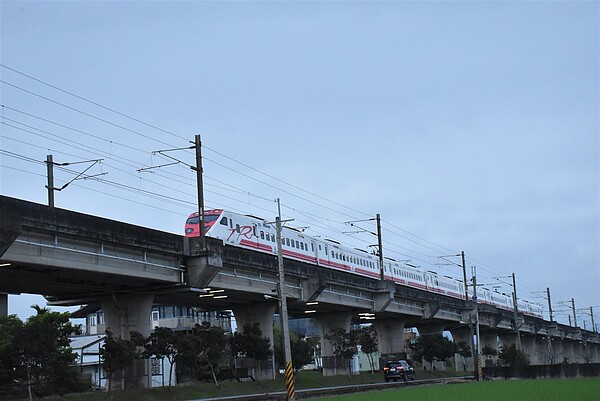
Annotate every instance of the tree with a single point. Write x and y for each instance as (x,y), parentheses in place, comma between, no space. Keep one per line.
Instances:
(43,347)
(513,357)
(10,327)
(163,344)
(431,347)
(211,343)
(463,349)
(250,343)
(367,339)
(345,344)
(38,353)
(487,350)
(302,349)
(117,354)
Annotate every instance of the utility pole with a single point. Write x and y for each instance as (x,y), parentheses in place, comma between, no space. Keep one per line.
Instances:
(381,272)
(50,186)
(516,312)
(477,334)
(285,329)
(464,268)
(200,185)
(574,314)
(549,304)
(593,324)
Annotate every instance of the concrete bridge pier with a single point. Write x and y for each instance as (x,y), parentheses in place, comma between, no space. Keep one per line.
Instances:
(594,352)
(426,329)
(507,339)
(333,366)
(390,338)
(530,347)
(568,354)
(123,314)
(463,334)
(263,315)
(578,351)
(558,350)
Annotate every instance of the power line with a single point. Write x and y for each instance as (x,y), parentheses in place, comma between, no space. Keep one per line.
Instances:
(91,102)
(84,113)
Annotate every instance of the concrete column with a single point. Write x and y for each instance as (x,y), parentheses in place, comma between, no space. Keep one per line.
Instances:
(460,334)
(123,314)
(578,352)
(558,349)
(390,338)
(568,351)
(430,328)
(332,366)
(3,304)
(529,344)
(263,315)
(507,339)
(594,352)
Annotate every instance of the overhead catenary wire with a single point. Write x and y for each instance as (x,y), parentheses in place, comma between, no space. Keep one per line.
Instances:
(387,223)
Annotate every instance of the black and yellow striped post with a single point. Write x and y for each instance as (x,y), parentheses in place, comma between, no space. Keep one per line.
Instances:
(289,381)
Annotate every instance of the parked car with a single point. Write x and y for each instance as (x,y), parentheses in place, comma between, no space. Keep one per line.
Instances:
(394,370)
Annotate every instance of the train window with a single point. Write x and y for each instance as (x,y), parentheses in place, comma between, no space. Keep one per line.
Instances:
(262,235)
(302,245)
(297,244)
(237,228)
(292,244)
(312,246)
(319,247)
(224,221)
(287,241)
(272,237)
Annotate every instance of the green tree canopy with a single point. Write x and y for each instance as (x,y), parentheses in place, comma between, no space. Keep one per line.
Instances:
(431,347)
(39,351)
(513,357)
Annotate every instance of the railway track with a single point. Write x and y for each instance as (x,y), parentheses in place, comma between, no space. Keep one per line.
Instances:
(338,390)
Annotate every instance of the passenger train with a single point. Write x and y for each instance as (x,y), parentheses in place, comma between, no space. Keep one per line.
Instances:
(254,233)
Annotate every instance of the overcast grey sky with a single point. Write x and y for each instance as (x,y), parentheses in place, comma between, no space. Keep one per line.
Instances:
(467,125)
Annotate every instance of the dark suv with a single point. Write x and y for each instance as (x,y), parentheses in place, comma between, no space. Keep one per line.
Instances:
(394,370)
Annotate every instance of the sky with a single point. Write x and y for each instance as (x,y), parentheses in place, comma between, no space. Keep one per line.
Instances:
(469,126)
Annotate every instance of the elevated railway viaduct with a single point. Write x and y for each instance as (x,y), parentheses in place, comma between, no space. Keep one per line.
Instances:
(74,259)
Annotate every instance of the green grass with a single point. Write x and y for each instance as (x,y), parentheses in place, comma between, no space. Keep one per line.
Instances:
(526,390)
(304,380)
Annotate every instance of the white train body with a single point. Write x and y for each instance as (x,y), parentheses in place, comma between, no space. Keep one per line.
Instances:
(253,233)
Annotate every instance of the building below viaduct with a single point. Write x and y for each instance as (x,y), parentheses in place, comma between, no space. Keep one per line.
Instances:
(78,259)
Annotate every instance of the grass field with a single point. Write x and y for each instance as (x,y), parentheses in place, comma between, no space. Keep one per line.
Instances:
(304,380)
(526,390)
(509,390)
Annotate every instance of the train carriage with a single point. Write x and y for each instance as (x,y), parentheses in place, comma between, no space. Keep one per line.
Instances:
(254,233)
